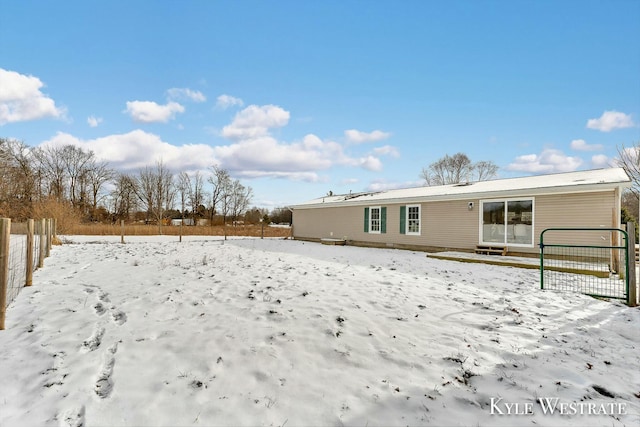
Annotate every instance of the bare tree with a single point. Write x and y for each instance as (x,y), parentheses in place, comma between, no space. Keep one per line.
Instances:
(165,192)
(220,181)
(64,174)
(156,191)
(183,187)
(240,197)
(17,179)
(125,196)
(98,174)
(485,170)
(74,161)
(196,195)
(145,190)
(457,168)
(631,203)
(629,160)
(51,171)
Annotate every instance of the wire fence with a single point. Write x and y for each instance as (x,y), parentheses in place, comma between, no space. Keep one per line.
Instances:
(23,248)
(598,270)
(592,271)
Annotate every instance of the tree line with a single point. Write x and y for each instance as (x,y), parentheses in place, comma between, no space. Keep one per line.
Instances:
(37,180)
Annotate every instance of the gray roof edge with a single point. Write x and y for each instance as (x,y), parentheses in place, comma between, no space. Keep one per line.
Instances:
(537,191)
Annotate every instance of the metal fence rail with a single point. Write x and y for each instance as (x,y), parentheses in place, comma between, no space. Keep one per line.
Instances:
(600,270)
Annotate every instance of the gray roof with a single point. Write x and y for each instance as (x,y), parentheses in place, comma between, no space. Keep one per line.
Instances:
(569,182)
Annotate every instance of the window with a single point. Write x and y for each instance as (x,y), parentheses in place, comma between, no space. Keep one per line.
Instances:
(413,219)
(507,222)
(410,219)
(374,224)
(375,219)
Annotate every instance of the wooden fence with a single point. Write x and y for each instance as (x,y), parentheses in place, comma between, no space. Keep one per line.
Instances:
(23,248)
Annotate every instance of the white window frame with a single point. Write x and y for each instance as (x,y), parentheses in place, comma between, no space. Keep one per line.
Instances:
(379,209)
(406,220)
(506,210)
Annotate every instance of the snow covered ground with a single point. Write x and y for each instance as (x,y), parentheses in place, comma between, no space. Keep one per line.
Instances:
(279,332)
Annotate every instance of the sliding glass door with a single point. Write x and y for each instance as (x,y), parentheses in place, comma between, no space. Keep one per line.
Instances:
(507,222)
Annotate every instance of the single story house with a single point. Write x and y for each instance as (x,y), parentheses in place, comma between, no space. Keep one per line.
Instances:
(504,213)
(182,221)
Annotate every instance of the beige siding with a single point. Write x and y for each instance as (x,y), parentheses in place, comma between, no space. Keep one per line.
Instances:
(452,225)
(575,210)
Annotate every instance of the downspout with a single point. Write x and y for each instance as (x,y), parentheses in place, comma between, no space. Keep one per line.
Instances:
(617,217)
(291,236)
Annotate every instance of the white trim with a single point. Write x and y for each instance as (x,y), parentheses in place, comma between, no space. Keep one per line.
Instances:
(379,208)
(505,241)
(406,220)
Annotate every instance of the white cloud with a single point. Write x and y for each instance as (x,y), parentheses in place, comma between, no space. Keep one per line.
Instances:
(255,122)
(581,145)
(600,161)
(370,163)
(349,181)
(21,99)
(611,120)
(185,93)
(255,152)
(226,101)
(266,156)
(359,137)
(94,121)
(136,149)
(386,150)
(549,161)
(252,153)
(151,112)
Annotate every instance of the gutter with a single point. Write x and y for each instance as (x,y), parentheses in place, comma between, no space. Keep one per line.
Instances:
(363,201)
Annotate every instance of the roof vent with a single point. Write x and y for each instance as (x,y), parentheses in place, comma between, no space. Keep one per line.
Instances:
(462,184)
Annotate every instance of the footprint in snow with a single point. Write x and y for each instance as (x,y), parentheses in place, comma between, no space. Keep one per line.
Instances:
(99,308)
(54,374)
(104,383)
(94,341)
(119,317)
(73,417)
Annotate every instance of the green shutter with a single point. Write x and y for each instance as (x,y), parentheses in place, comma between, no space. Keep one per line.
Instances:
(403,220)
(366,220)
(383,219)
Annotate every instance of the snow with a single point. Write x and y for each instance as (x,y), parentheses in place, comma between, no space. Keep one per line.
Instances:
(280,332)
(567,182)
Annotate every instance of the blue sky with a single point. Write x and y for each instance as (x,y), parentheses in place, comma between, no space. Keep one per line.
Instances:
(298,98)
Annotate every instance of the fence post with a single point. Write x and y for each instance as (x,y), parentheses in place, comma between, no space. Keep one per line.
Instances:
(122,231)
(181,221)
(48,231)
(5,235)
(632,298)
(29,278)
(43,249)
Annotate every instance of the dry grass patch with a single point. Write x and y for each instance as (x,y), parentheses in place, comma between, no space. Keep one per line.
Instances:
(154,230)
